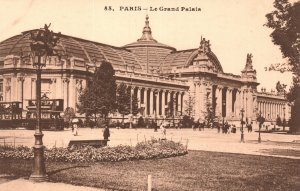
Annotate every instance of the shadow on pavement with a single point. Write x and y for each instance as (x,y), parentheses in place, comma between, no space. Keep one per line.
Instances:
(6,178)
(63,169)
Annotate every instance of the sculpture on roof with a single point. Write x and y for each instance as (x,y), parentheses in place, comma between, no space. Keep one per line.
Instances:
(204,46)
(280,88)
(249,65)
(248,70)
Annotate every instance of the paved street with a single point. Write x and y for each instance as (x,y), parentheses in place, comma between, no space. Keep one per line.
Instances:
(208,140)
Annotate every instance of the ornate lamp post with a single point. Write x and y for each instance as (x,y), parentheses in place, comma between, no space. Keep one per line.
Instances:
(131,115)
(42,46)
(242,123)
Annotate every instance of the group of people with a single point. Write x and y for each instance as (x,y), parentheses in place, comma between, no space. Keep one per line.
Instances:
(76,123)
(226,128)
(198,125)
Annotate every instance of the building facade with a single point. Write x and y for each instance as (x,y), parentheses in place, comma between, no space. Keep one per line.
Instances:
(158,75)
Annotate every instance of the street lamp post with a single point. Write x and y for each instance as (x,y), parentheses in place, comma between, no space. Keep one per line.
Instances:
(259,127)
(42,46)
(242,123)
(284,120)
(131,115)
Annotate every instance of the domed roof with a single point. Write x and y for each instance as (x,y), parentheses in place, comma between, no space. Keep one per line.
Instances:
(147,39)
(91,52)
(149,52)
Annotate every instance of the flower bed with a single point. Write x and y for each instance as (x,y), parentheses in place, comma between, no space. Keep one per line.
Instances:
(152,149)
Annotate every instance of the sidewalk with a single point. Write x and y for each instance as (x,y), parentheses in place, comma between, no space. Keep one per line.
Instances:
(26,185)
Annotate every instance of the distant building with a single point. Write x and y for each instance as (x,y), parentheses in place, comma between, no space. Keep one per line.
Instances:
(158,74)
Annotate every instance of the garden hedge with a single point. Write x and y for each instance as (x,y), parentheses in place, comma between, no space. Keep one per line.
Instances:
(152,149)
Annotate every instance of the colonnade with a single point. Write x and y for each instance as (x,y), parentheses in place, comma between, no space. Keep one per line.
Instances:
(271,109)
(226,101)
(156,102)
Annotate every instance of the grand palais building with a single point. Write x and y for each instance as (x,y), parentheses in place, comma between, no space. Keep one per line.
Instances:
(155,72)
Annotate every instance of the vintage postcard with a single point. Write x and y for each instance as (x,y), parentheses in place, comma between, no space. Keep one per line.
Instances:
(145,95)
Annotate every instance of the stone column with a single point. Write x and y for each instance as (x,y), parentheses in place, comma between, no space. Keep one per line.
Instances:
(72,97)
(229,103)
(269,113)
(78,91)
(14,88)
(145,102)
(198,99)
(66,92)
(219,101)
(180,98)
(157,102)
(271,109)
(53,88)
(280,110)
(265,109)
(272,113)
(238,103)
(27,91)
(33,88)
(276,110)
(151,102)
(178,103)
(246,104)
(250,105)
(181,102)
(139,97)
(202,100)
(169,97)
(163,104)
(21,88)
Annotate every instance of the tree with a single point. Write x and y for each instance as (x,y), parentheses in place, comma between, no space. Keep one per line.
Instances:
(69,114)
(209,114)
(99,97)
(123,100)
(171,109)
(135,105)
(286,34)
(190,103)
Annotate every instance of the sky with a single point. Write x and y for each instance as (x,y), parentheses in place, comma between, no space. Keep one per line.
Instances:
(234,27)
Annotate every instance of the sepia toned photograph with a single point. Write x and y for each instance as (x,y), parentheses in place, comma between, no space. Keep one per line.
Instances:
(139,95)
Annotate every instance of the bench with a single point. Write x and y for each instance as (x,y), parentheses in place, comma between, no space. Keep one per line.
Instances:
(95,143)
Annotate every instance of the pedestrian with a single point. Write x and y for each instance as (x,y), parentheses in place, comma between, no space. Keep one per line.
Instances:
(218,126)
(118,124)
(278,121)
(249,126)
(196,125)
(283,124)
(106,132)
(75,126)
(226,127)
(229,129)
(163,131)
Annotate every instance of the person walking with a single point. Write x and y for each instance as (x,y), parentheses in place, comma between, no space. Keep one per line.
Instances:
(163,132)
(106,132)
(75,122)
(249,126)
